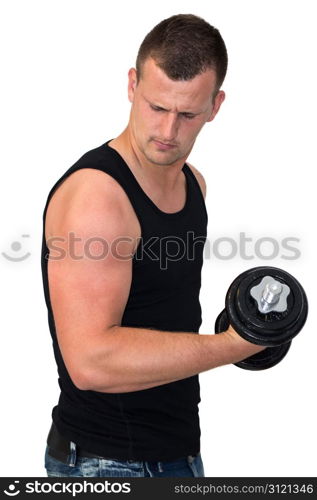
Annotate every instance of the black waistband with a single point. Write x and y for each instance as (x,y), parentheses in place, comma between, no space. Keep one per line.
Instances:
(59,446)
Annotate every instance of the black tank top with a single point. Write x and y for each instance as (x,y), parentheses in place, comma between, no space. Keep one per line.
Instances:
(160,423)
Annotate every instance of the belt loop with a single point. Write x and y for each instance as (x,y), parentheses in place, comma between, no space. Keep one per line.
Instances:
(190,459)
(73,455)
(160,467)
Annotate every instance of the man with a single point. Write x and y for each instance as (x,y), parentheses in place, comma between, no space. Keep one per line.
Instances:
(122,286)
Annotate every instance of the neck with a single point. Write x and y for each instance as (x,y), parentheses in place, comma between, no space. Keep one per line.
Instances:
(165,176)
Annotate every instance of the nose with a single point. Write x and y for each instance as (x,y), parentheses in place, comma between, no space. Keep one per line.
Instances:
(169,127)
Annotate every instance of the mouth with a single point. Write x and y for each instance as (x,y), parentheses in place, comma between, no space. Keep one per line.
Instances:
(163,145)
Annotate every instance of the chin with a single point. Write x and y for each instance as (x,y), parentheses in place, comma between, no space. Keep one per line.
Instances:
(162,158)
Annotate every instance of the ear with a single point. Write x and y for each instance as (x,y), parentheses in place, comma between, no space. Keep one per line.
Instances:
(218,100)
(132,83)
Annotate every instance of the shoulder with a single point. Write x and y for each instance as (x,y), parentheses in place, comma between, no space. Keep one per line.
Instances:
(200,179)
(85,187)
(89,198)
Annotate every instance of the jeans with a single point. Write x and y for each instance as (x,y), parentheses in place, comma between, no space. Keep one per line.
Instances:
(102,467)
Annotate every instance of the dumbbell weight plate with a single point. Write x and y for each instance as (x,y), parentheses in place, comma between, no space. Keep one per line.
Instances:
(267,358)
(273,328)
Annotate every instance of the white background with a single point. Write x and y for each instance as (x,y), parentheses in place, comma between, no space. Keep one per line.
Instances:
(63,91)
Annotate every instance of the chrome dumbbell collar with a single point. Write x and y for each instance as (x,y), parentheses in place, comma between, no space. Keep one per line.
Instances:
(270,295)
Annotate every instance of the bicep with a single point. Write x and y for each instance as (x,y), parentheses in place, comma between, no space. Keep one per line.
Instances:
(89,281)
(87,298)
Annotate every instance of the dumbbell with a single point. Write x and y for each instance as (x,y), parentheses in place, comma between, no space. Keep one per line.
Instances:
(266,306)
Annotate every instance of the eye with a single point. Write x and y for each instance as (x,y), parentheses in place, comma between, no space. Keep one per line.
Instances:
(188,116)
(156,108)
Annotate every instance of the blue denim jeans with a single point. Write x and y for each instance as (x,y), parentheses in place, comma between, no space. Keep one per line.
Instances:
(102,467)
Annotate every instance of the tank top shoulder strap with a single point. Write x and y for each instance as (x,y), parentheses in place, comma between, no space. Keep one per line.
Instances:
(108,160)
(196,192)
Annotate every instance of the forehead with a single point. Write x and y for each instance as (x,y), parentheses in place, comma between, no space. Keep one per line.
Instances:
(155,84)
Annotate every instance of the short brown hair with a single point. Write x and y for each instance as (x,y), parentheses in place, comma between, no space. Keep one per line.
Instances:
(184,46)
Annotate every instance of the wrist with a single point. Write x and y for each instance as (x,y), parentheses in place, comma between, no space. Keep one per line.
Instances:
(242,346)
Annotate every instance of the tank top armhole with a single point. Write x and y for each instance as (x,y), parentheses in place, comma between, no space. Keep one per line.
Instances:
(197,187)
(106,171)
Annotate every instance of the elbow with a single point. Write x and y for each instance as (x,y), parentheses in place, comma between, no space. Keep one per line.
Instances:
(80,380)
(80,376)
(89,380)
(90,371)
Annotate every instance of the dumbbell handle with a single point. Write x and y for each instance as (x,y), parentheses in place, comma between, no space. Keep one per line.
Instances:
(262,360)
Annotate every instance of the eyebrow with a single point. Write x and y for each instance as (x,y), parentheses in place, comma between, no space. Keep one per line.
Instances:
(193,113)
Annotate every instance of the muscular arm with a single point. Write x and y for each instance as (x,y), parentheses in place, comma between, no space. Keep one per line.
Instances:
(89,295)
(133,359)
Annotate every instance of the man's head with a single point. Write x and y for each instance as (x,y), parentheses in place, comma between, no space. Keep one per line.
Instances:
(175,88)
(184,46)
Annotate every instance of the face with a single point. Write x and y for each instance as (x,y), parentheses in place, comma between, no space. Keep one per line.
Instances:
(167,115)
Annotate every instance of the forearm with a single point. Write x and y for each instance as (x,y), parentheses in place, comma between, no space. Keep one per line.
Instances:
(131,359)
